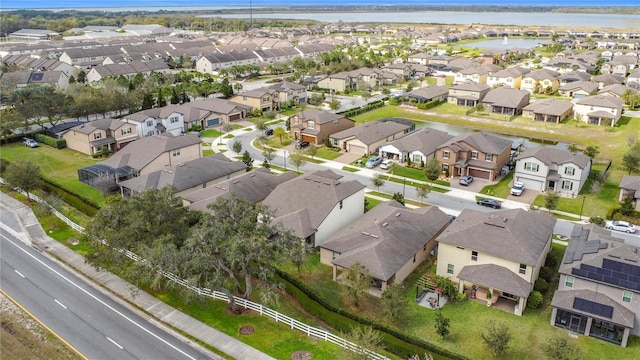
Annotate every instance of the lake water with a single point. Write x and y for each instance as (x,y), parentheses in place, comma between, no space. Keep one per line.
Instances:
(500,43)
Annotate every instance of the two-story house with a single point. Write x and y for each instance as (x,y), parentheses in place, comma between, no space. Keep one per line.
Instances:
(558,170)
(497,253)
(509,77)
(315,126)
(368,138)
(599,288)
(477,154)
(289,92)
(316,205)
(472,74)
(541,81)
(157,121)
(104,134)
(264,99)
(467,94)
(417,146)
(598,110)
(506,101)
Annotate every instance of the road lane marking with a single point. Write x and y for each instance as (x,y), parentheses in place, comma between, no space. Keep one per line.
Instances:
(59,303)
(99,300)
(115,343)
(43,325)
(18,272)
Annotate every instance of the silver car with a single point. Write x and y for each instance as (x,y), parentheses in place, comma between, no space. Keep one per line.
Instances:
(466,180)
(620,226)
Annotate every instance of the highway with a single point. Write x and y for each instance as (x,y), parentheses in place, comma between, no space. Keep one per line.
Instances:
(95,325)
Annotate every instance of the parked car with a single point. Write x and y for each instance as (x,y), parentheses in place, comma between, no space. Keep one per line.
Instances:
(302,144)
(373,162)
(268,132)
(517,189)
(620,226)
(466,180)
(386,164)
(30,143)
(489,203)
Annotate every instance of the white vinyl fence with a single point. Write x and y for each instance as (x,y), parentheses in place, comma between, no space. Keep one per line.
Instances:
(259,308)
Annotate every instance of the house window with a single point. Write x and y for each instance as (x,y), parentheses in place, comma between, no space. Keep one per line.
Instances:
(474,155)
(445,154)
(474,256)
(569,170)
(311,124)
(335,255)
(150,123)
(174,119)
(568,281)
(97,136)
(176,152)
(417,158)
(567,185)
(523,269)
(295,120)
(265,99)
(445,167)
(125,131)
(626,295)
(450,269)
(340,204)
(531,167)
(488,157)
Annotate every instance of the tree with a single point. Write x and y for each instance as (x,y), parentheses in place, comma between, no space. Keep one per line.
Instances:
(496,337)
(432,170)
(334,104)
(261,125)
(269,154)
(393,167)
(262,139)
(23,175)
(631,159)
(247,159)
(236,146)
(442,325)
(535,298)
(627,206)
(592,151)
(9,121)
(394,302)
(279,132)
(377,181)
(368,340)
(226,128)
(297,159)
(356,281)
(423,190)
(312,150)
(398,197)
(561,348)
(551,201)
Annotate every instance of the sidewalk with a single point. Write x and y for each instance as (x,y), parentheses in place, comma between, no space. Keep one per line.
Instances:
(154,309)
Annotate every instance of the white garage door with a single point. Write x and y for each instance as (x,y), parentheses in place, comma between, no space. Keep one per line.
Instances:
(357,149)
(531,184)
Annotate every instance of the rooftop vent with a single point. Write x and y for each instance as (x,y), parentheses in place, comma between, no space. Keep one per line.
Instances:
(385,224)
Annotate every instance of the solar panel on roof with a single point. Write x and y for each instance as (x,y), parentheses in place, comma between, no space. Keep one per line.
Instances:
(37,76)
(593,307)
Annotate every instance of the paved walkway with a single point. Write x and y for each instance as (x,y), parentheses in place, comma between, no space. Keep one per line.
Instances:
(153,308)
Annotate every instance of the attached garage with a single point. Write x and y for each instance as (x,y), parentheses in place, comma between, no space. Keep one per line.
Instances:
(213,122)
(531,184)
(235,117)
(355,149)
(308,138)
(480,174)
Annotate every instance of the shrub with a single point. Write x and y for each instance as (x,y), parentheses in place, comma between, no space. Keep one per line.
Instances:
(461,297)
(53,142)
(535,300)
(551,261)
(394,101)
(541,285)
(546,273)
(597,220)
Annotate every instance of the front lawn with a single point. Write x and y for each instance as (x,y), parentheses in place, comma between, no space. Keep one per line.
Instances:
(500,189)
(327,154)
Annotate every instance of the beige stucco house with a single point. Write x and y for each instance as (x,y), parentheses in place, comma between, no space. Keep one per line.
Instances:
(477,154)
(104,134)
(316,126)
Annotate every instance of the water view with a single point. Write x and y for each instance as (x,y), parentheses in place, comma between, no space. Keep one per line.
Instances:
(508,43)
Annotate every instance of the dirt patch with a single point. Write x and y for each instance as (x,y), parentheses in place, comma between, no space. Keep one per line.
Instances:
(301,355)
(247,330)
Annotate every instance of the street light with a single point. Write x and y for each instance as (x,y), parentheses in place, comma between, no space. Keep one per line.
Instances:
(582,207)
(285,160)
(404,185)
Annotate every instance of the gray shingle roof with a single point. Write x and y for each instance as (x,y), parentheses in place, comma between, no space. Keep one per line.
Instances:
(549,106)
(630,182)
(516,235)
(587,86)
(318,116)
(484,142)
(556,156)
(507,97)
(601,101)
(387,237)
(471,87)
(564,299)
(496,277)
(429,93)
(372,132)
(425,140)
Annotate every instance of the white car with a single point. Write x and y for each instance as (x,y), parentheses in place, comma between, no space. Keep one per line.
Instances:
(386,164)
(620,226)
(517,189)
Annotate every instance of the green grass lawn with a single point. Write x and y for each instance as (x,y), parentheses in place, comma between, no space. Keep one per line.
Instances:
(211,133)
(501,188)
(370,203)
(327,154)
(57,165)
(350,169)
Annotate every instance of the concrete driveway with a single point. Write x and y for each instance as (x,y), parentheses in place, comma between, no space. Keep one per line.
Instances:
(348,158)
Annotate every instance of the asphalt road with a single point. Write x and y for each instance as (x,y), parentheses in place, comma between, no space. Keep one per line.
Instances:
(93,323)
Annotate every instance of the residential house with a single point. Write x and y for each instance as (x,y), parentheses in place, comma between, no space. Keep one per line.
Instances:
(419,58)
(140,157)
(467,94)
(472,74)
(212,63)
(541,81)
(498,253)
(185,177)
(99,72)
(316,126)
(617,90)
(630,187)
(620,65)
(263,99)
(390,240)
(598,110)
(289,92)
(427,94)
(509,77)
(574,76)
(599,287)
(156,121)
(89,57)
(548,110)
(557,170)
(417,146)
(56,79)
(608,79)
(477,154)
(506,101)
(212,112)
(253,186)
(316,205)
(634,78)
(401,69)
(33,34)
(578,89)
(351,80)
(104,134)
(368,138)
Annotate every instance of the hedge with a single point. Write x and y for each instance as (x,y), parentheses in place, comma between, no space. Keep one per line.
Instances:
(75,200)
(360,110)
(53,142)
(428,105)
(393,340)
